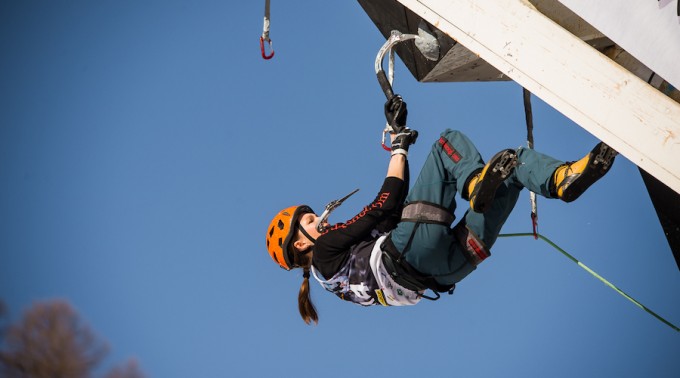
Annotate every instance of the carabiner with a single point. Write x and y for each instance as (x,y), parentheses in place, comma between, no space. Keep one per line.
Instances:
(264,54)
(387,129)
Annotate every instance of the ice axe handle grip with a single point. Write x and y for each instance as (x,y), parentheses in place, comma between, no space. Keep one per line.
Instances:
(385,84)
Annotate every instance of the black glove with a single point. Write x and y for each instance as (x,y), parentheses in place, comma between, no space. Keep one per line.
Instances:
(395,113)
(403,140)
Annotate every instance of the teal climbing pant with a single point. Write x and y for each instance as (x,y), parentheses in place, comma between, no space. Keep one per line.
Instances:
(434,250)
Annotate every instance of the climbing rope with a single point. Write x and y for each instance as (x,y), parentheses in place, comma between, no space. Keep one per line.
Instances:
(587,269)
(530,143)
(265,34)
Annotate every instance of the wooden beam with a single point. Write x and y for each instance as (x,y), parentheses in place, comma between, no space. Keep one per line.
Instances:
(599,95)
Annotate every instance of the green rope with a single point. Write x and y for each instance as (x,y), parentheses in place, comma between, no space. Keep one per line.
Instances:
(572,258)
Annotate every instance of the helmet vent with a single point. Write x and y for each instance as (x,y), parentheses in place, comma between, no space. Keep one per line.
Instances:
(271,232)
(280,225)
(280,242)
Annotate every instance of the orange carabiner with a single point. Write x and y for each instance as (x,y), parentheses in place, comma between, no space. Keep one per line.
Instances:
(264,54)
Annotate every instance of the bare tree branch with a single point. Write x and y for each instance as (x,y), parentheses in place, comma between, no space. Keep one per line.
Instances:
(50,341)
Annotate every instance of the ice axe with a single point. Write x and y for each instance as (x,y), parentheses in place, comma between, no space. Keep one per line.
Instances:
(426,43)
(329,208)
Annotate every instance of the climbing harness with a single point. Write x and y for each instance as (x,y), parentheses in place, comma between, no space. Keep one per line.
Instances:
(425,42)
(406,276)
(321,227)
(593,273)
(530,143)
(426,212)
(423,212)
(420,212)
(398,268)
(265,34)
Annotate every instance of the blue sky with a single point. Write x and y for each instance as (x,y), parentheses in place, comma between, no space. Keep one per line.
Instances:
(145,146)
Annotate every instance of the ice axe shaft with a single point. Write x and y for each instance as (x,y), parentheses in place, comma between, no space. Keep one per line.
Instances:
(385,84)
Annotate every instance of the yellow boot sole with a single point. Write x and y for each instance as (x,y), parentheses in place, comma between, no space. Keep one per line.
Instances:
(494,173)
(573,179)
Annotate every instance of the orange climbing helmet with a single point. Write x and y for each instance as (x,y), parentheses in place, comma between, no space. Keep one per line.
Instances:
(280,233)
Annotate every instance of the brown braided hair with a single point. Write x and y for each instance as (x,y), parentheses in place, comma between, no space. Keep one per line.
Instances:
(305,305)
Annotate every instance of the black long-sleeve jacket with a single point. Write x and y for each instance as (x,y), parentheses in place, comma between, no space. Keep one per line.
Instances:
(331,249)
(346,254)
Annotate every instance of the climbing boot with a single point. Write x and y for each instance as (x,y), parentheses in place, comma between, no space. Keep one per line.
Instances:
(482,186)
(570,180)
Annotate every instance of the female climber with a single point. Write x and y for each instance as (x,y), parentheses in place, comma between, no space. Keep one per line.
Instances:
(402,243)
